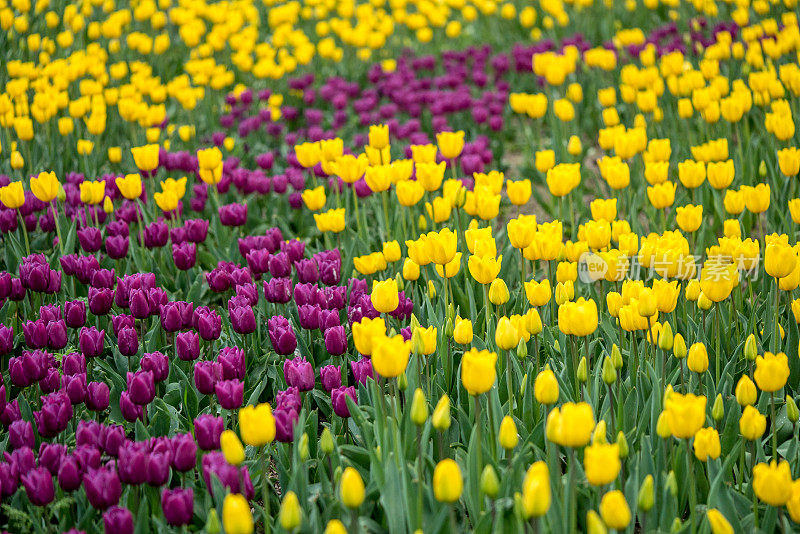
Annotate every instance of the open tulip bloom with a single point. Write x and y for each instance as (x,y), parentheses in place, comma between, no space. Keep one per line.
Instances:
(488,267)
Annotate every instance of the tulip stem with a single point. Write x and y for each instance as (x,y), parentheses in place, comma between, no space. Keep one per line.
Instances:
(478,433)
(588,366)
(265,488)
(510,384)
(777,330)
(692,489)
(774,427)
(24,232)
(573,497)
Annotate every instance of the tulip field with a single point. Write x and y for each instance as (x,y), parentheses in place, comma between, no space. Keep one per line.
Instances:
(405,266)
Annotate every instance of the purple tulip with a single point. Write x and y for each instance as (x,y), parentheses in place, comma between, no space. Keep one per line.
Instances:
(231,477)
(128,341)
(157,363)
(362,370)
(139,304)
(141,387)
(24,370)
(98,396)
(206,376)
(157,468)
(305,294)
(103,487)
(209,323)
(288,399)
(20,434)
(230,393)
(233,214)
(232,360)
(102,278)
(118,520)
(184,255)
(309,316)
(112,437)
(187,346)
(331,377)
(75,387)
(118,322)
(207,430)
(38,485)
(117,246)
(90,341)
(132,462)
(281,335)
(278,290)
(130,410)
(156,234)
(35,333)
(8,479)
(285,420)
(171,320)
(51,455)
(75,313)
(280,266)
(184,452)
(6,339)
(218,280)
(55,414)
(196,230)
(100,300)
(69,473)
(57,335)
(50,313)
(339,400)
(307,271)
(294,248)
(178,506)
(90,239)
(88,433)
(299,373)
(51,380)
(243,319)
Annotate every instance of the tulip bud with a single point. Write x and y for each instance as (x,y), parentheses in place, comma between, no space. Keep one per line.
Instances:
(622,441)
(599,433)
(351,489)
(583,374)
(326,441)
(523,385)
(662,426)
(417,345)
(401,283)
(616,357)
(522,349)
(609,372)
(668,391)
(519,507)
(490,484)
(791,410)
(422,223)
(762,169)
(451,312)
(679,347)
(290,514)
(231,447)
(402,382)
(461,197)
(594,523)
(498,292)
(508,433)
(646,494)
(302,447)
(672,484)
(750,348)
(556,346)
(431,290)
(666,339)
(419,408)
(337,473)
(745,391)
(212,523)
(704,303)
(414,322)
(378,453)
(718,410)
(61,195)
(449,328)
(441,414)
(677,526)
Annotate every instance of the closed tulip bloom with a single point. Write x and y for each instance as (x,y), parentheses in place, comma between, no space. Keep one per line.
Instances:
(752,424)
(718,523)
(614,510)
(462,331)
(231,447)
(508,436)
(601,463)
(572,424)
(45,186)
(290,514)
(544,160)
(484,269)
(178,506)
(685,414)
(130,186)
(146,157)
(689,217)
(257,425)
(498,292)
(351,488)
(578,318)
(385,296)
(12,196)
(545,387)
(793,505)
(745,392)
(773,483)
(772,371)
(423,340)
(697,360)
(314,199)
(409,192)
(379,136)
(366,331)
(720,173)
(780,259)
(441,414)
(789,161)
(506,336)
(447,481)
(563,178)
(691,173)
(536,493)
(756,199)
(430,175)
(706,444)
(662,195)
(717,280)
(390,355)
(478,371)
(450,144)
(538,293)
(236,515)
(519,192)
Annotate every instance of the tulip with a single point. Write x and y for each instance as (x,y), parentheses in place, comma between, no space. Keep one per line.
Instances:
(38,485)
(772,371)
(207,430)
(178,506)
(545,387)
(351,488)
(103,488)
(772,482)
(685,414)
(571,425)
(118,520)
(478,371)
(614,510)
(536,493)
(601,463)
(447,481)
(299,373)
(508,433)
(706,444)
(230,393)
